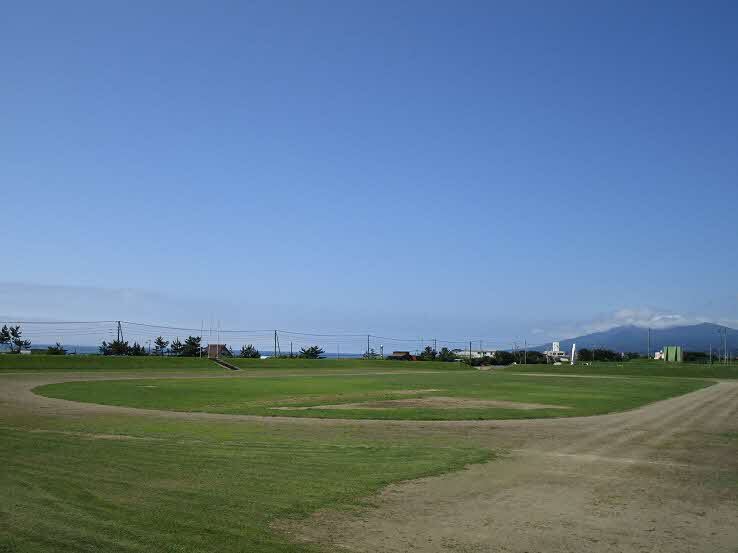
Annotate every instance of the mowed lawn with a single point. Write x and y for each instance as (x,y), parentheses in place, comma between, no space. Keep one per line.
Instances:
(635,368)
(135,484)
(464,394)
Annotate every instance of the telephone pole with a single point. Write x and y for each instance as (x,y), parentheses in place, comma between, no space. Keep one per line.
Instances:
(525,352)
(120,332)
(725,346)
(648,352)
(275,343)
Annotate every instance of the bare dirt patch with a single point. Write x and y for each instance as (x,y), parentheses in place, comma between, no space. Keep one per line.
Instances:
(435,402)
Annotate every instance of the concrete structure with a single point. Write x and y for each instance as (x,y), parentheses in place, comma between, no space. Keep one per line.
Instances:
(555,354)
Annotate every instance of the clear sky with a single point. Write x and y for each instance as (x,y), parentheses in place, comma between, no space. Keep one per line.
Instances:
(501,169)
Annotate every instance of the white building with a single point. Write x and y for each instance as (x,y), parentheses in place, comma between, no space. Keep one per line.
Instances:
(475,353)
(555,354)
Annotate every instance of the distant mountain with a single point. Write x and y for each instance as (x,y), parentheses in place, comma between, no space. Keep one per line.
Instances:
(634,338)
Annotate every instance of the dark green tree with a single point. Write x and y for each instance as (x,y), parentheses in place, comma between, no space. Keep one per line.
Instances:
(56,349)
(177,347)
(446,355)
(503,357)
(313,352)
(225,351)
(137,349)
(371,354)
(191,346)
(15,335)
(116,347)
(5,336)
(250,352)
(160,346)
(428,354)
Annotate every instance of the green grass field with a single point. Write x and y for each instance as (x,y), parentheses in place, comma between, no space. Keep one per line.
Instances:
(271,395)
(635,368)
(119,483)
(41,362)
(128,484)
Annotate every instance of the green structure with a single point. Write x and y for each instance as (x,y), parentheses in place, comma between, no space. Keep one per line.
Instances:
(673,354)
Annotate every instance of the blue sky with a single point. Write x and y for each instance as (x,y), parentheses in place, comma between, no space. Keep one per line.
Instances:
(502,169)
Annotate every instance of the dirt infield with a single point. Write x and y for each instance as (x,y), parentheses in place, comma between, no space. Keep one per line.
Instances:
(661,478)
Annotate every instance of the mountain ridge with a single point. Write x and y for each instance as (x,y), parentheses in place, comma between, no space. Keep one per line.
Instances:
(632,338)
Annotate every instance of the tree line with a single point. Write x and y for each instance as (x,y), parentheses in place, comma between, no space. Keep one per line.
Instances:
(12,337)
(192,347)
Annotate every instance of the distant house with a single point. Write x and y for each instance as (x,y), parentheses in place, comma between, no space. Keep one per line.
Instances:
(401,356)
(217,350)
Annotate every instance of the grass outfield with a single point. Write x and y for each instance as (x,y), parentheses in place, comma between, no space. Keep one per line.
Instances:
(635,368)
(147,485)
(463,393)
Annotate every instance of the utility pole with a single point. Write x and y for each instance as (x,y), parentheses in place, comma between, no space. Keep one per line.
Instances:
(725,346)
(367,346)
(202,326)
(435,345)
(727,357)
(648,351)
(710,354)
(275,343)
(525,352)
(290,349)
(469,352)
(120,332)
(338,351)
